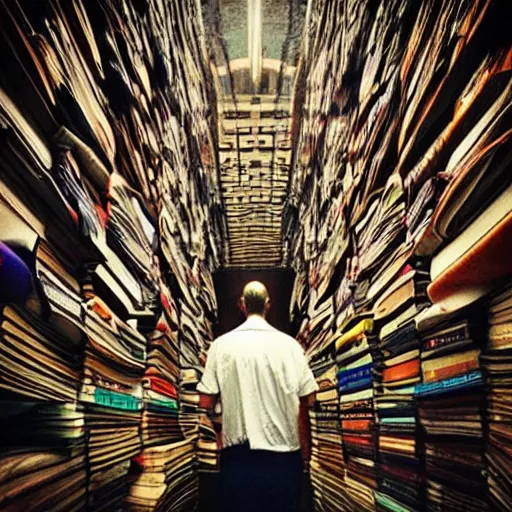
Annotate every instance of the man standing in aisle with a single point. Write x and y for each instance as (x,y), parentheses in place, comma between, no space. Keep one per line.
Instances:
(261,375)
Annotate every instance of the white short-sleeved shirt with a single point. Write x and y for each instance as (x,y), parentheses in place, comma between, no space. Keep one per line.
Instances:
(260,373)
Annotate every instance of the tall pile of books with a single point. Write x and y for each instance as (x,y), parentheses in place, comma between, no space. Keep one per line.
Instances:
(354,357)
(400,212)
(104,116)
(327,464)
(168,480)
(111,391)
(160,419)
(450,402)
(496,363)
(399,470)
(42,447)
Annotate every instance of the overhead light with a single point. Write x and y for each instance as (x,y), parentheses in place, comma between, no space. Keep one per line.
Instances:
(254,22)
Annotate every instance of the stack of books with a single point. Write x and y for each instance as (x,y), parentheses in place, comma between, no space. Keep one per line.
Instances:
(105,112)
(496,361)
(316,332)
(355,350)
(189,397)
(208,449)
(168,478)
(397,372)
(42,426)
(160,419)
(450,404)
(327,464)
(131,234)
(402,157)
(42,447)
(111,389)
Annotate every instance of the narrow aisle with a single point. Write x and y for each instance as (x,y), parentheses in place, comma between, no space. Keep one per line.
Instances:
(159,155)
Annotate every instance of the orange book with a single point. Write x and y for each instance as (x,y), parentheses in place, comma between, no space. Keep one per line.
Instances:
(402,371)
(356,424)
(450,366)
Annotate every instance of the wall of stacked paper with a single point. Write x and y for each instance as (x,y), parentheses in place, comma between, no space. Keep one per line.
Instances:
(399,224)
(110,224)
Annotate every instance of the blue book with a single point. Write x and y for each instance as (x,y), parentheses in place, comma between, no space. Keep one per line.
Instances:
(469,380)
(117,400)
(356,385)
(345,376)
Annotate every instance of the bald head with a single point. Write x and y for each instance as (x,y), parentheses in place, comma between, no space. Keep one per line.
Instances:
(255,300)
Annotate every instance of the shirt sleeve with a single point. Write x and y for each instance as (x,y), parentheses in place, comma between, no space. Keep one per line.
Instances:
(307,381)
(209,384)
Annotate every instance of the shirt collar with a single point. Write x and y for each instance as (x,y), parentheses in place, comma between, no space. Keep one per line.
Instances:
(255,322)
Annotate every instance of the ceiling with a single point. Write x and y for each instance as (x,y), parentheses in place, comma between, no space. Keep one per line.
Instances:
(253,97)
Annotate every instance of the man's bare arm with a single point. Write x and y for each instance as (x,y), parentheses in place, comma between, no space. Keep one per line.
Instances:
(207,405)
(208,402)
(306,403)
(308,400)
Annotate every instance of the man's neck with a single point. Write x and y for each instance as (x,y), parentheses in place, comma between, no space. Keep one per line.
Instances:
(255,315)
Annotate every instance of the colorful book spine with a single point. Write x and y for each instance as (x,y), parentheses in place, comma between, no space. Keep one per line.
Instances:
(117,400)
(467,381)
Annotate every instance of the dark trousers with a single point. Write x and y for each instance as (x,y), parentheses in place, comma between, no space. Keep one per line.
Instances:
(260,480)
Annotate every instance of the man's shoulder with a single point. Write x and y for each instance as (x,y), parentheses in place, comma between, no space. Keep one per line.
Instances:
(242,331)
(225,338)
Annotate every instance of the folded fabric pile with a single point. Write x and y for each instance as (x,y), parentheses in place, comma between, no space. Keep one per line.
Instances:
(496,362)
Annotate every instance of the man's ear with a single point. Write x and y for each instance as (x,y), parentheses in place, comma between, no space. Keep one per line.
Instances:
(241,305)
(268,306)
